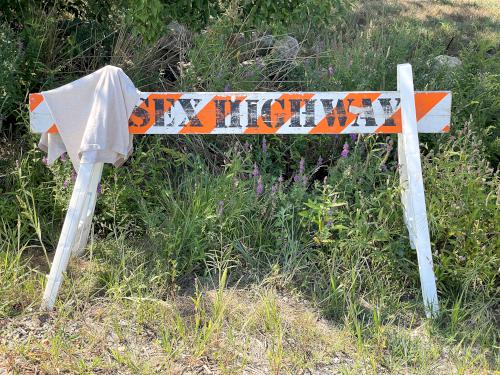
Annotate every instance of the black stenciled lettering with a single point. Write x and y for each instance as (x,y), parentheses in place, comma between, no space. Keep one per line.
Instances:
(141,114)
(252,113)
(235,114)
(349,101)
(295,111)
(172,102)
(341,113)
(189,110)
(266,112)
(328,108)
(388,111)
(159,107)
(220,113)
(280,116)
(332,114)
(310,111)
(369,116)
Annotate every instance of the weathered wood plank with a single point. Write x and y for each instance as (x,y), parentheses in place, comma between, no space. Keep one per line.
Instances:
(272,113)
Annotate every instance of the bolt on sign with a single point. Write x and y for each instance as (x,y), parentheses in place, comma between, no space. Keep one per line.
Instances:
(403,112)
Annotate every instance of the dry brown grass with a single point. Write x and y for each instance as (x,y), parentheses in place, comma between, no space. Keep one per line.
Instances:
(261,332)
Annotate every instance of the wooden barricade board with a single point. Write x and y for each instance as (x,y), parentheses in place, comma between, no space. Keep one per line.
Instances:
(272,113)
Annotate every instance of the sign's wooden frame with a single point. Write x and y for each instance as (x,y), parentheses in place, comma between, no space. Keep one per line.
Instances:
(403,112)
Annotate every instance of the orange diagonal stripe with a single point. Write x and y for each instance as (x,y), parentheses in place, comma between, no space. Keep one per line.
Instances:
(425,101)
(35,100)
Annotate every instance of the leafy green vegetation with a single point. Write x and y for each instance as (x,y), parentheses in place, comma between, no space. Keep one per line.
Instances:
(278,253)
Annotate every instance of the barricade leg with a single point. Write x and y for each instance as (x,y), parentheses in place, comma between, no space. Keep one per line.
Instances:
(85,182)
(413,196)
(403,182)
(88,212)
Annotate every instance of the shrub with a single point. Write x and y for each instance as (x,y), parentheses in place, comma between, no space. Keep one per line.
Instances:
(462,193)
(10,60)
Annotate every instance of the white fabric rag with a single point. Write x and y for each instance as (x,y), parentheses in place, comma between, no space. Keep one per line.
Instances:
(91,115)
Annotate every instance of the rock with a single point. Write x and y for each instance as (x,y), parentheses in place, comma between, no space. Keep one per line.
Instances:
(445,61)
(266,41)
(178,29)
(491,52)
(237,40)
(253,69)
(257,63)
(257,45)
(286,48)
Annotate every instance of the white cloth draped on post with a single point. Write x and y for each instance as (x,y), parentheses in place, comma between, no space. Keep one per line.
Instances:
(92,115)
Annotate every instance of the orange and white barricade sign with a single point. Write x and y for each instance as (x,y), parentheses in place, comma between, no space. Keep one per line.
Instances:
(403,112)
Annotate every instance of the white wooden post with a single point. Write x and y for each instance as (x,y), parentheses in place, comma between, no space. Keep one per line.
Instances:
(85,187)
(85,222)
(413,196)
(403,181)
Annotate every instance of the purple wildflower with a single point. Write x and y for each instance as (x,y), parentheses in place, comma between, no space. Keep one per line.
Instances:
(64,156)
(353,136)
(260,186)
(302,166)
(66,183)
(264,145)
(99,188)
(296,178)
(345,151)
(255,172)
(45,160)
(329,223)
(220,208)
(74,175)
(274,188)
(281,179)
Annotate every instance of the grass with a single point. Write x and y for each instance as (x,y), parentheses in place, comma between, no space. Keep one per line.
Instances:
(222,330)
(190,270)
